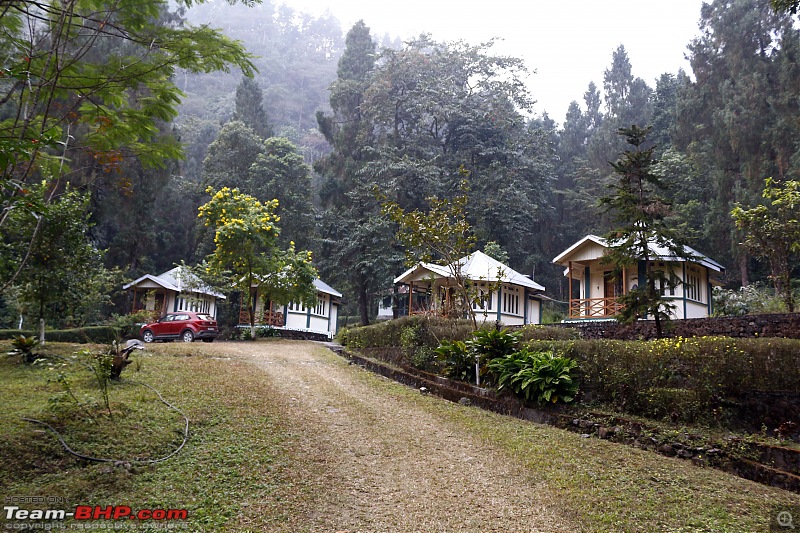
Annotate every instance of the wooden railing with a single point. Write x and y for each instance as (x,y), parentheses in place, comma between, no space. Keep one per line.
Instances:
(267,318)
(594,308)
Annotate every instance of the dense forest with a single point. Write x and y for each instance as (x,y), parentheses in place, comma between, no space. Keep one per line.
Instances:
(321,117)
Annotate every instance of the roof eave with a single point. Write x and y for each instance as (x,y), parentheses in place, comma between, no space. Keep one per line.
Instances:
(566,253)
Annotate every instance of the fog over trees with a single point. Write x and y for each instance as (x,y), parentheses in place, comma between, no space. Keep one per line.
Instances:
(328,115)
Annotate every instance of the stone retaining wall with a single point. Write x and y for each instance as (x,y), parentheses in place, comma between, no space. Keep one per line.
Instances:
(298,335)
(786,325)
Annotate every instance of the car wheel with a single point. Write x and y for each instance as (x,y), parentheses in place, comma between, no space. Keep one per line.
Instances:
(208,340)
(148,336)
(187,336)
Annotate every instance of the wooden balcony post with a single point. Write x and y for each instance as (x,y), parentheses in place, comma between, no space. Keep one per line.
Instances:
(624,280)
(569,281)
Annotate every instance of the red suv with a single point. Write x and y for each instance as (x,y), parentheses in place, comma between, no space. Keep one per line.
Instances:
(185,326)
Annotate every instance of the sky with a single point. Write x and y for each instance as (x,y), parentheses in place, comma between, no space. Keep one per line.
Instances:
(567,44)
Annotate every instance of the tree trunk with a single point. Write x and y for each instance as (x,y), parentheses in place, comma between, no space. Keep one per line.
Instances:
(782,274)
(363,301)
(251,308)
(395,304)
(743,270)
(41,321)
(654,298)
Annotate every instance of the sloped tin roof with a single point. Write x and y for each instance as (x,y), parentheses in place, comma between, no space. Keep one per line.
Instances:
(177,280)
(661,253)
(324,287)
(477,267)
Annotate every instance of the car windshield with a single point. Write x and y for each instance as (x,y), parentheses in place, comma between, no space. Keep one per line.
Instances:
(205,317)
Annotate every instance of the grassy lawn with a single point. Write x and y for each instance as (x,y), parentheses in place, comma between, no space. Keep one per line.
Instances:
(239,471)
(235,458)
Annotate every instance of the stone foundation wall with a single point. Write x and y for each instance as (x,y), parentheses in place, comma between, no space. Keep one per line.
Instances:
(786,325)
(779,411)
(302,335)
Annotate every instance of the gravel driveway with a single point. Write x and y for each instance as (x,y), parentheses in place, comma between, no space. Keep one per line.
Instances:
(379,461)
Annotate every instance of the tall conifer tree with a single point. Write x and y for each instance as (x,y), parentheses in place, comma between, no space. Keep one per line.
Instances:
(356,240)
(640,214)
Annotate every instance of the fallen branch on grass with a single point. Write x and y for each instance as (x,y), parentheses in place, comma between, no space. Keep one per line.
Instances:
(122,461)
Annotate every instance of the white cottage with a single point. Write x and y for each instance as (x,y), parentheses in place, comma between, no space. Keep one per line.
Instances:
(321,318)
(172,291)
(509,297)
(593,287)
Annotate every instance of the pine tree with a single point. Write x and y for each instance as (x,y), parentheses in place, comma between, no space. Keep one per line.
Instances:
(641,215)
(628,102)
(249,107)
(357,247)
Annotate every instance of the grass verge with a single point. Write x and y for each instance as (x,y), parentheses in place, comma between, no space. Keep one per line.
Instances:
(605,486)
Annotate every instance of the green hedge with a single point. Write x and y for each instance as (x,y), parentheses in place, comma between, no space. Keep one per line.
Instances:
(432,330)
(92,334)
(548,333)
(683,379)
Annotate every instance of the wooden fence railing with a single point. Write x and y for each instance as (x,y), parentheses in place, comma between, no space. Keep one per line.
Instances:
(594,308)
(268,318)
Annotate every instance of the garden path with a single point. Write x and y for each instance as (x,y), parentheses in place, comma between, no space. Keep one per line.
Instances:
(381,461)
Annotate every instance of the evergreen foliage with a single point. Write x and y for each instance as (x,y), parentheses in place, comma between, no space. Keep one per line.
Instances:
(249,109)
(279,172)
(734,119)
(641,218)
(403,117)
(357,249)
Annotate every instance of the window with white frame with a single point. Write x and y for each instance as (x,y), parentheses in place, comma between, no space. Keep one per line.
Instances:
(667,282)
(320,309)
(483,300)
(693,285)
(194,304)
(511,298)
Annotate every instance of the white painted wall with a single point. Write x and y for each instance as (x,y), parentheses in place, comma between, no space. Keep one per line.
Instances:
(196,303)
(322,317)
(695,310)
(588,252)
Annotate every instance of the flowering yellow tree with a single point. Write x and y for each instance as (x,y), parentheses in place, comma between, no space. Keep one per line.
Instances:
(246,253)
